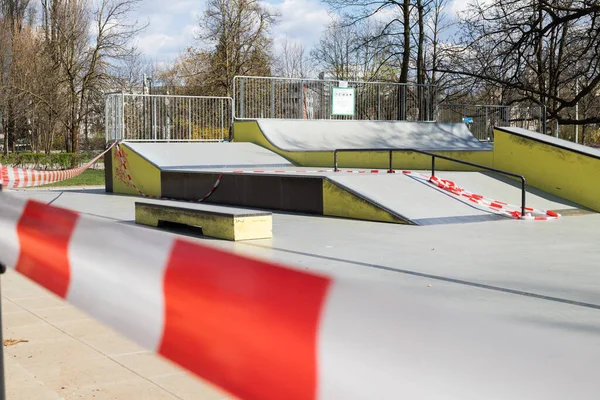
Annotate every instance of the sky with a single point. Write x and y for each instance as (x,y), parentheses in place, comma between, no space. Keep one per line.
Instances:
(172,23)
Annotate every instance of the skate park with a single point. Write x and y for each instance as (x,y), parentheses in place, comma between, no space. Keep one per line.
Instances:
(472,297)
(299,175)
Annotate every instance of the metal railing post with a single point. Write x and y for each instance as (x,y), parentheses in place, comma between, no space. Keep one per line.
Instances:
(2,372)
(433,165)
(301,100)
(391,170)
(242,99)
(106,122)
(272,98)
(335,161)
(379,102)
(122,119)
(523,195)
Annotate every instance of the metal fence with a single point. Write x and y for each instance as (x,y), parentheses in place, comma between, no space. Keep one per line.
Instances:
(295,98)
(138,117)
(481,119)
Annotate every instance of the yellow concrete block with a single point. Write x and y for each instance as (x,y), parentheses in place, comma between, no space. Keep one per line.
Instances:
(226,225)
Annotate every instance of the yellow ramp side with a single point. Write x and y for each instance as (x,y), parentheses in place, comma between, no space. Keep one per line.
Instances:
(250,131)
(144,174)
(340,202)
(567,172)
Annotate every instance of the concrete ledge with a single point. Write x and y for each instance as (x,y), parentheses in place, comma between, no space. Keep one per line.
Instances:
(218,222)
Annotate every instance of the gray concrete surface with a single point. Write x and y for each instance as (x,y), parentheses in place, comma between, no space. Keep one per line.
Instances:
(180,156)
(328,135)
(413,199)
(533,284)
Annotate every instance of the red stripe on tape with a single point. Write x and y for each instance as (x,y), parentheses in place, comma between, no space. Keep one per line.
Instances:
(225,314)
(44,235)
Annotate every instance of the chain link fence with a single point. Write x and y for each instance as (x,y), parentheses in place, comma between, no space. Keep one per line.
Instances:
(294,98)
(139,117)
(481,119)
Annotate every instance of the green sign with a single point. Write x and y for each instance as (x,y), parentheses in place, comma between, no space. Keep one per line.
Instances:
(343,101)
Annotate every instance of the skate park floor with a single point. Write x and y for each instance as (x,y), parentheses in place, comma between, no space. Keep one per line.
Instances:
(539,275)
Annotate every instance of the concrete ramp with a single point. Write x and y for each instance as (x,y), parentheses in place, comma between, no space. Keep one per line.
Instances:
(310,143)
(323,135)
(411,200)
(418,202)
(196,156)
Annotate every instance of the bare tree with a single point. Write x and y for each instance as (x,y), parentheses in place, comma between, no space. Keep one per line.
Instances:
(292,60)
(353,51)
(239,31)
(541,51)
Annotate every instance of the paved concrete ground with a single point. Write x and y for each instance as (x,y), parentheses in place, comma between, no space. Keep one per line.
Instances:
(542,276)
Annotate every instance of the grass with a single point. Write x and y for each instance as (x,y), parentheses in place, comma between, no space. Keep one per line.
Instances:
(90,177)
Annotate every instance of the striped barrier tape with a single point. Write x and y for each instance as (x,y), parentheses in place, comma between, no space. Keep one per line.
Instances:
(15,178)
(496,206)
(123,161)
(258,330)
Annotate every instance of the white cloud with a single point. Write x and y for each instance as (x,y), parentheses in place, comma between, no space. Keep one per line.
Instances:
(301,21)
(459,6)
(172,24)
(171,27)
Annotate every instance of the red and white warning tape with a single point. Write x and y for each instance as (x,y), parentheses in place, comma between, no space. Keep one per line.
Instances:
(496,206)
(21,178)
(123,160)
(258,330)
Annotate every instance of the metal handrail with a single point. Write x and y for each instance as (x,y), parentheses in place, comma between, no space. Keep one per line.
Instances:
(433,157)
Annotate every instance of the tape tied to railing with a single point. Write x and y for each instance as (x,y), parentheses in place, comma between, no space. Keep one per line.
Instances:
(14,178)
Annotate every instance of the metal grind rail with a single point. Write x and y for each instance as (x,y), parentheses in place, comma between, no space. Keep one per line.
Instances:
(433,157)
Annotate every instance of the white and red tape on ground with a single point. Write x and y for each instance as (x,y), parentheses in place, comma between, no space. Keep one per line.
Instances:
(496,206)
(21,178)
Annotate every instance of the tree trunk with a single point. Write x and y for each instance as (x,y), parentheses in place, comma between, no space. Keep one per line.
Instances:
(420,60)
(405,61)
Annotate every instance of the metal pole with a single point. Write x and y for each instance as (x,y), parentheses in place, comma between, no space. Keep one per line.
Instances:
(301,99)
(391,161)
(403,103)
(242,82)
(432,165)
(523,195)
(335,163)
(122,116)
(106,127)
(576,112)
(543,112)
(272,98)
(379,102)
(190,118)
(2,377)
